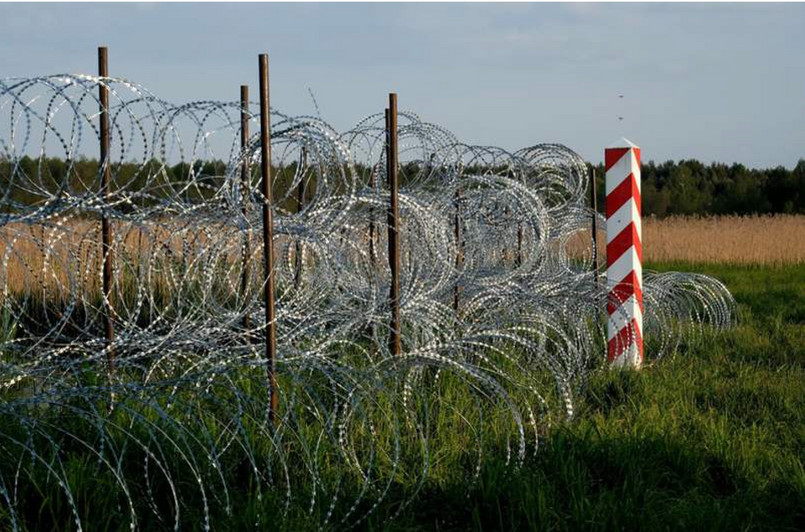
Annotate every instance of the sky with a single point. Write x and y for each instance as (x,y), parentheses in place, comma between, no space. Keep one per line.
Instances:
(714,82)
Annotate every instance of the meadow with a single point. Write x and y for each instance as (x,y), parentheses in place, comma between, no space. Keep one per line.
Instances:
(766,239)
(742,240)
(709,438)
(735,240)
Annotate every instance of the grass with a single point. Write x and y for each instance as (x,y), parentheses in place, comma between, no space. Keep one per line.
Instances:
(771,240)
(712,438)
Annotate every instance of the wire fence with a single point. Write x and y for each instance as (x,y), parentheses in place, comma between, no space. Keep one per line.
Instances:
(498,296)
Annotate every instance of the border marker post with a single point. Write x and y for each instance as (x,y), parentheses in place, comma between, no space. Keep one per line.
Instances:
(624,255)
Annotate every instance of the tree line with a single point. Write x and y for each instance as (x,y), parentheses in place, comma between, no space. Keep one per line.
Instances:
(685,187)
(30,181)
(691,187)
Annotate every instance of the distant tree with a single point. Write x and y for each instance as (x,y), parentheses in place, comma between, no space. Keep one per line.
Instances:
(798,177)
(683,187)
(685,197)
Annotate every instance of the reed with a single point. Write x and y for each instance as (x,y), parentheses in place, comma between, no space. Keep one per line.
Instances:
(762,240)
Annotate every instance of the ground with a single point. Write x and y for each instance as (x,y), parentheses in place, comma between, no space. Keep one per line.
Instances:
(709,438)
(712,438)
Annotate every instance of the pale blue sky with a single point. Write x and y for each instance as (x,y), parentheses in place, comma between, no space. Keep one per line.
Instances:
(718,82)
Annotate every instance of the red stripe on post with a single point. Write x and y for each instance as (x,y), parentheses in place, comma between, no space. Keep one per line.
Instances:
(621,194)
(621,342)
(621,243)
(612,156)
(629,285)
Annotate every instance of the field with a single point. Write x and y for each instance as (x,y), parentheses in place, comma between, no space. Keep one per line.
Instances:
(710,438)
(218,316)
(778,239)
(761,240)
(738,240)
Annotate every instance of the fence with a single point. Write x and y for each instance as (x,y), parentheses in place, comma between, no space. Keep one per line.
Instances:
(393,255)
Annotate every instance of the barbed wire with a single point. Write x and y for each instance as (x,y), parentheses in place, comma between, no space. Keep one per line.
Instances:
(499,299)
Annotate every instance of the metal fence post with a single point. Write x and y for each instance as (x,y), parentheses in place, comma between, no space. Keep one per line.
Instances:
(594,203)
(268,240)
(393,223)
(106,225)
(245,187)
(300,203)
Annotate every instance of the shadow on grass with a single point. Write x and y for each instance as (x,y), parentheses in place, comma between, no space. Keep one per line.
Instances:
(587,480)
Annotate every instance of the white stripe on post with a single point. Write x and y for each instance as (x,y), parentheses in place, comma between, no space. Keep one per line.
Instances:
(624,255)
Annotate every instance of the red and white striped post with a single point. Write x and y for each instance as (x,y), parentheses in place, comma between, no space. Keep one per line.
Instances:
(624,255)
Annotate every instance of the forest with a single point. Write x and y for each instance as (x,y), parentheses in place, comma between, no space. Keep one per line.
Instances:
(689,187)
(684,187)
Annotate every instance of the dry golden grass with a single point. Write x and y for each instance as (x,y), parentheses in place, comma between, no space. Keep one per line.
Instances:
(65,256)
(62,259)
(761,240)
(767,240)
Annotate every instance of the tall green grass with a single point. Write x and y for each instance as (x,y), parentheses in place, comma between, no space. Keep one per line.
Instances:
(710,438)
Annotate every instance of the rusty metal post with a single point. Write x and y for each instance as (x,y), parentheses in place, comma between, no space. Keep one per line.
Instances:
(372,250)
(106,225)
(393,223)
(459,247)
(594,202)
(300,203)
(245,187)
(300,189)
(268,239)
